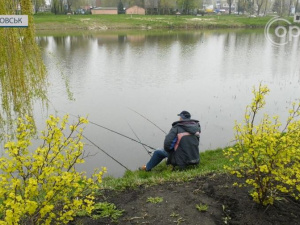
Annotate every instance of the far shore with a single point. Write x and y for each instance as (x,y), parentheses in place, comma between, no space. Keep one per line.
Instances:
(148,22)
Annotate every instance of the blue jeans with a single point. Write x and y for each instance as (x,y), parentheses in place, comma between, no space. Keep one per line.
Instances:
(156,158)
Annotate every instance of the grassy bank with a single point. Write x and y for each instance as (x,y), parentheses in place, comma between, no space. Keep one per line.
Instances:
(203,195)
(104,22)
(210,161)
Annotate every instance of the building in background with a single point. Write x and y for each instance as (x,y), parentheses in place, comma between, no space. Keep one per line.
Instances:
(105,10)
(136,10)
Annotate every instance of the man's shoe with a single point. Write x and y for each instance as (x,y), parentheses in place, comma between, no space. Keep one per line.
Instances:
(143,168)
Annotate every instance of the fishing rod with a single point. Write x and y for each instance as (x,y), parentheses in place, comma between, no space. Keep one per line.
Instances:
(123,135)
(105,153)
(149,152)
(147,120)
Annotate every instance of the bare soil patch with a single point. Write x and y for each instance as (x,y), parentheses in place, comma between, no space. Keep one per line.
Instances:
(226,205)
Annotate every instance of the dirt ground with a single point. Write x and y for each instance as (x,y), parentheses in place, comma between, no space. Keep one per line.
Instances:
(226,205)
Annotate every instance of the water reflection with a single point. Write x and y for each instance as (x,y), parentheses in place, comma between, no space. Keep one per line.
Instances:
(210,73)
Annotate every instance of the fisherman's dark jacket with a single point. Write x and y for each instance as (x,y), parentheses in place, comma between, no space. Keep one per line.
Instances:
(182,143)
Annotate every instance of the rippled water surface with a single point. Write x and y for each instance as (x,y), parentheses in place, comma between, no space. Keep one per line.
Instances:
(158,74)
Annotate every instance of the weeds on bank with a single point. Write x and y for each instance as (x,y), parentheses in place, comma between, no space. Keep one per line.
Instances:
(179,220)
(226,218)
(173,214)
(202,207)
(103,210)
(155,200)
(106,210)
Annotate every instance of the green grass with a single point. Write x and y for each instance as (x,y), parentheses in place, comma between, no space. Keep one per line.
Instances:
(210,161)
(155,200)
(202,207)
(100,22)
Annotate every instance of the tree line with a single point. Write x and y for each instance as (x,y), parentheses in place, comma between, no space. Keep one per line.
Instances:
(152,6)
(262,7)
(281,7)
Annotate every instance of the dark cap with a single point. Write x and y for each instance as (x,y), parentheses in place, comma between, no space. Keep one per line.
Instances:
(184,115)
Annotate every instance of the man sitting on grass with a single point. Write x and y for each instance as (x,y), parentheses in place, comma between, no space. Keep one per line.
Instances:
(181,145)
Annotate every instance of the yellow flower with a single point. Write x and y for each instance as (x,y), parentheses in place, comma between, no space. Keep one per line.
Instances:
(265,153)
(44,182)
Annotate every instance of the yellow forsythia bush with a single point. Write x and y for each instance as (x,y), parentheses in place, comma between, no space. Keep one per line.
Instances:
(42,186)
(267,153)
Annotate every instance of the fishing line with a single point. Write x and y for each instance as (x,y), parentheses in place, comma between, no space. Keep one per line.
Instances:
(149,152)
(147,120)
(105,152)
(99,147)
(123,135)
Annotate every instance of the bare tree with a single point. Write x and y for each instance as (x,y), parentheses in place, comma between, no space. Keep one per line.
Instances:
(259,5)
(187,5)
(266,6)
(289,8)
(151,6)
(167,5)
(57,7)
(37,4)
(69,4)
(230,5)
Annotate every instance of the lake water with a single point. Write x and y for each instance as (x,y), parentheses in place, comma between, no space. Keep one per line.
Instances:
(158,74)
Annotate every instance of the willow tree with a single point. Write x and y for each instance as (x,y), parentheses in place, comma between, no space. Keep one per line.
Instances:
(22,71)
